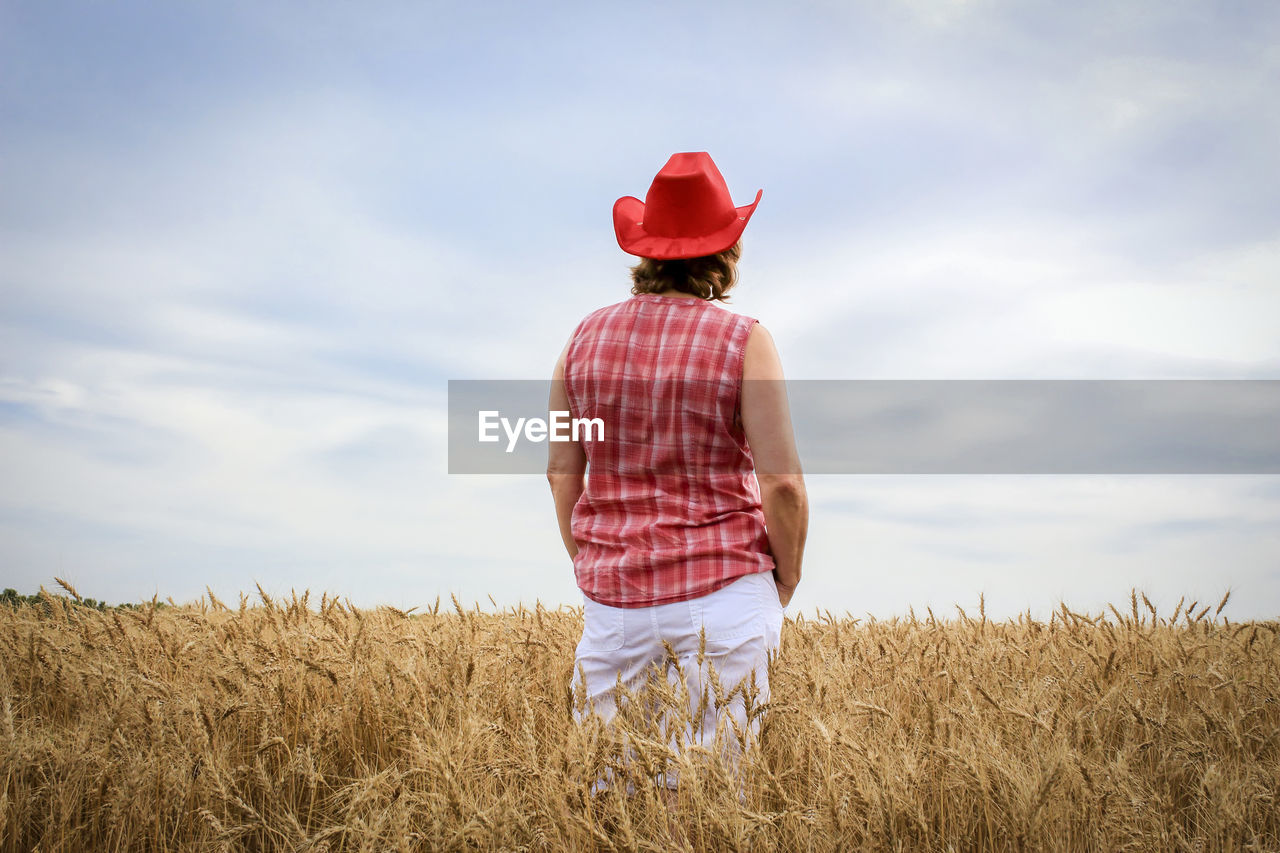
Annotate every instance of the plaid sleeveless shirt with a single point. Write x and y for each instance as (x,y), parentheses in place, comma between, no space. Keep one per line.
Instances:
(671,509)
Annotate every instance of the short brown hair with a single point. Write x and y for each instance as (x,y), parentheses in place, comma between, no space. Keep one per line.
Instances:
(709,277)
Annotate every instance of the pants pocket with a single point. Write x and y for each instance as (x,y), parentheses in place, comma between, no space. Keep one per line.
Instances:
(731,614)
(773,636)
(601,627)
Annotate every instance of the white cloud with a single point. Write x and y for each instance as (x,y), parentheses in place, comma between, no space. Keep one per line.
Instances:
(886,543)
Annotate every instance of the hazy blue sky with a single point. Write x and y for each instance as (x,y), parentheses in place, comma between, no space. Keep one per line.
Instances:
(243,247)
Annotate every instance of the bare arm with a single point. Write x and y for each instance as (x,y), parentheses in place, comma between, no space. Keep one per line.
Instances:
(566,463)
(766,418)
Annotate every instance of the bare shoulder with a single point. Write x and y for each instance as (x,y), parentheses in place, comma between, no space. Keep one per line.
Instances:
(761,361)
(557,372)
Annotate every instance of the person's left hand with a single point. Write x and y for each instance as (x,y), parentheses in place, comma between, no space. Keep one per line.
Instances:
(784,592)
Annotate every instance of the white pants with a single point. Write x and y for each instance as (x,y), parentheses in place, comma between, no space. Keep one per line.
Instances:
(743,624)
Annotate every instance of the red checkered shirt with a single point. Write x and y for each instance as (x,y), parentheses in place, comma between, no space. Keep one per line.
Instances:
(671,509)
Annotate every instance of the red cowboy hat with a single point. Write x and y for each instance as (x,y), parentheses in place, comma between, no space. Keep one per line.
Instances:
(687,212)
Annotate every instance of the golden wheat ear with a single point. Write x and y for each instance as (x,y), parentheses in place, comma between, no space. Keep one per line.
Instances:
(271,726)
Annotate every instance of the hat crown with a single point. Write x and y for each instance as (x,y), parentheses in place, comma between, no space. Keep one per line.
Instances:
(687,213)
(688,198)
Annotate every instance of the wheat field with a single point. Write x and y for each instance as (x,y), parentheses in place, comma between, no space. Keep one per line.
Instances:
(292,725)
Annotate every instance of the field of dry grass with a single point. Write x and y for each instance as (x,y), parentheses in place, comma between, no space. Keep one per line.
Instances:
(296,725)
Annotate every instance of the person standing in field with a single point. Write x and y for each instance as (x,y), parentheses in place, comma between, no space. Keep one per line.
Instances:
(686,520)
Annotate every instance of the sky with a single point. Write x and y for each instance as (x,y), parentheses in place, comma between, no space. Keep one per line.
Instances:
(244,247)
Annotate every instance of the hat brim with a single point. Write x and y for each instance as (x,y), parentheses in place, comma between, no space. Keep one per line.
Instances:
(628,219)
